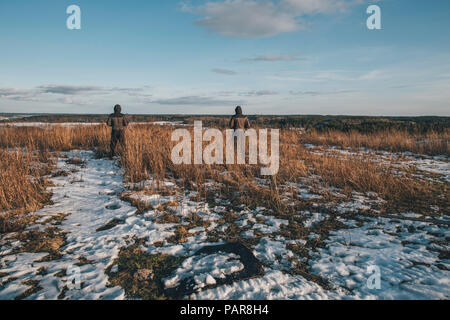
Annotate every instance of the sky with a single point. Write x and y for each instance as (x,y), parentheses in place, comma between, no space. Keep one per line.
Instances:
(207,56)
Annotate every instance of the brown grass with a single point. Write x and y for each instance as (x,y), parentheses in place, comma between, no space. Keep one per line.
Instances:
(56,138)
(148,154)
(24,161)
(432,143)
(22,188)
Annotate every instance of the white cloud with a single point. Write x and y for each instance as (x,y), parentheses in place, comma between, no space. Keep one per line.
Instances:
(75,101)
(69,90)
(19,94)
(351,76)
(283,78)
(246,18)
(224,71)
(373,75)
(258,93)
(74,95)
(255,19)
(272,59)
(301,7)
(320,93)
(333,76)
(196,101)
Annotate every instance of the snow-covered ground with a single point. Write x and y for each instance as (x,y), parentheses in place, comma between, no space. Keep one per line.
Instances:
(411,253)
(406,252)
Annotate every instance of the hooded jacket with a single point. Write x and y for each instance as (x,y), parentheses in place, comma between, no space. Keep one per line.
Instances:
(239,121)
(117,120)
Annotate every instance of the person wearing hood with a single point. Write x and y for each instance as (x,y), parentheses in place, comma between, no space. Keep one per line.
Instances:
(118,122)
(239,121)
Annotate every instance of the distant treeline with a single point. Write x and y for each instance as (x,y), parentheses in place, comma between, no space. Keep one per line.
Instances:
(362,124)
(358,123)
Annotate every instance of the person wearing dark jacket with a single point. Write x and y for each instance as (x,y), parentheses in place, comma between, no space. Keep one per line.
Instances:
(239,121)
(118,122)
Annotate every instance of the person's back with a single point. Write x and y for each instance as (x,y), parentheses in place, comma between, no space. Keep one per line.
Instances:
(118,122)
(239,121)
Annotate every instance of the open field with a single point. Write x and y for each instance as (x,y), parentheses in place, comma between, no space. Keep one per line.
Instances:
(350,194)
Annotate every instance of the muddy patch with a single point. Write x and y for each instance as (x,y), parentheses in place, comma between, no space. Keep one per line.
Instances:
(111,224)
(251,268)
(113,206)
(140,274)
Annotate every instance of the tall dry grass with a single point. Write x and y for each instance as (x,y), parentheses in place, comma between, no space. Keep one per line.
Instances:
(22,188)
(25,158)
(20,181)
(148,154)
(56,138)
(432,143)
(360,174)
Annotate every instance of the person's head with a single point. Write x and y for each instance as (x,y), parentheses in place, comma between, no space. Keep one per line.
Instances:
(238,110)
(117,109)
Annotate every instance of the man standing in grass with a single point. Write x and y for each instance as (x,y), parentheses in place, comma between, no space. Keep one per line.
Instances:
(118,122)
(239,121)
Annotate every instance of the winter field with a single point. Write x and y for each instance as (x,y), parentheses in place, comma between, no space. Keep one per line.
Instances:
(76,224)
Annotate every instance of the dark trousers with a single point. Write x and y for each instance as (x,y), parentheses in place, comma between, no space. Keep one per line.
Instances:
(117,138)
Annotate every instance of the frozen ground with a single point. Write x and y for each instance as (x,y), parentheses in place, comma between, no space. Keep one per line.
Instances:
(411,252)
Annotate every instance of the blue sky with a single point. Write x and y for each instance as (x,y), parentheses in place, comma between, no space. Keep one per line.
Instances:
(205,57)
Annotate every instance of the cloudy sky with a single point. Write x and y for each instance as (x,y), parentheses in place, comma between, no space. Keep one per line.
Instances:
(206,56)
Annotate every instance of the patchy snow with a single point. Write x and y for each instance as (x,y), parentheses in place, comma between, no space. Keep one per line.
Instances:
(152,199)
(88,207)
(438,165)
(269,250)
(409,261)
(316,217)
(270,225)
(274,285)
(410,250)
(409,266)
(168,123)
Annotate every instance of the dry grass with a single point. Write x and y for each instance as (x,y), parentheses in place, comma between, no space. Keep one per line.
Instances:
(24,161)
(148,152)
(56,138)
(22,188)
(393,140)
(398,186)
(148,155)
